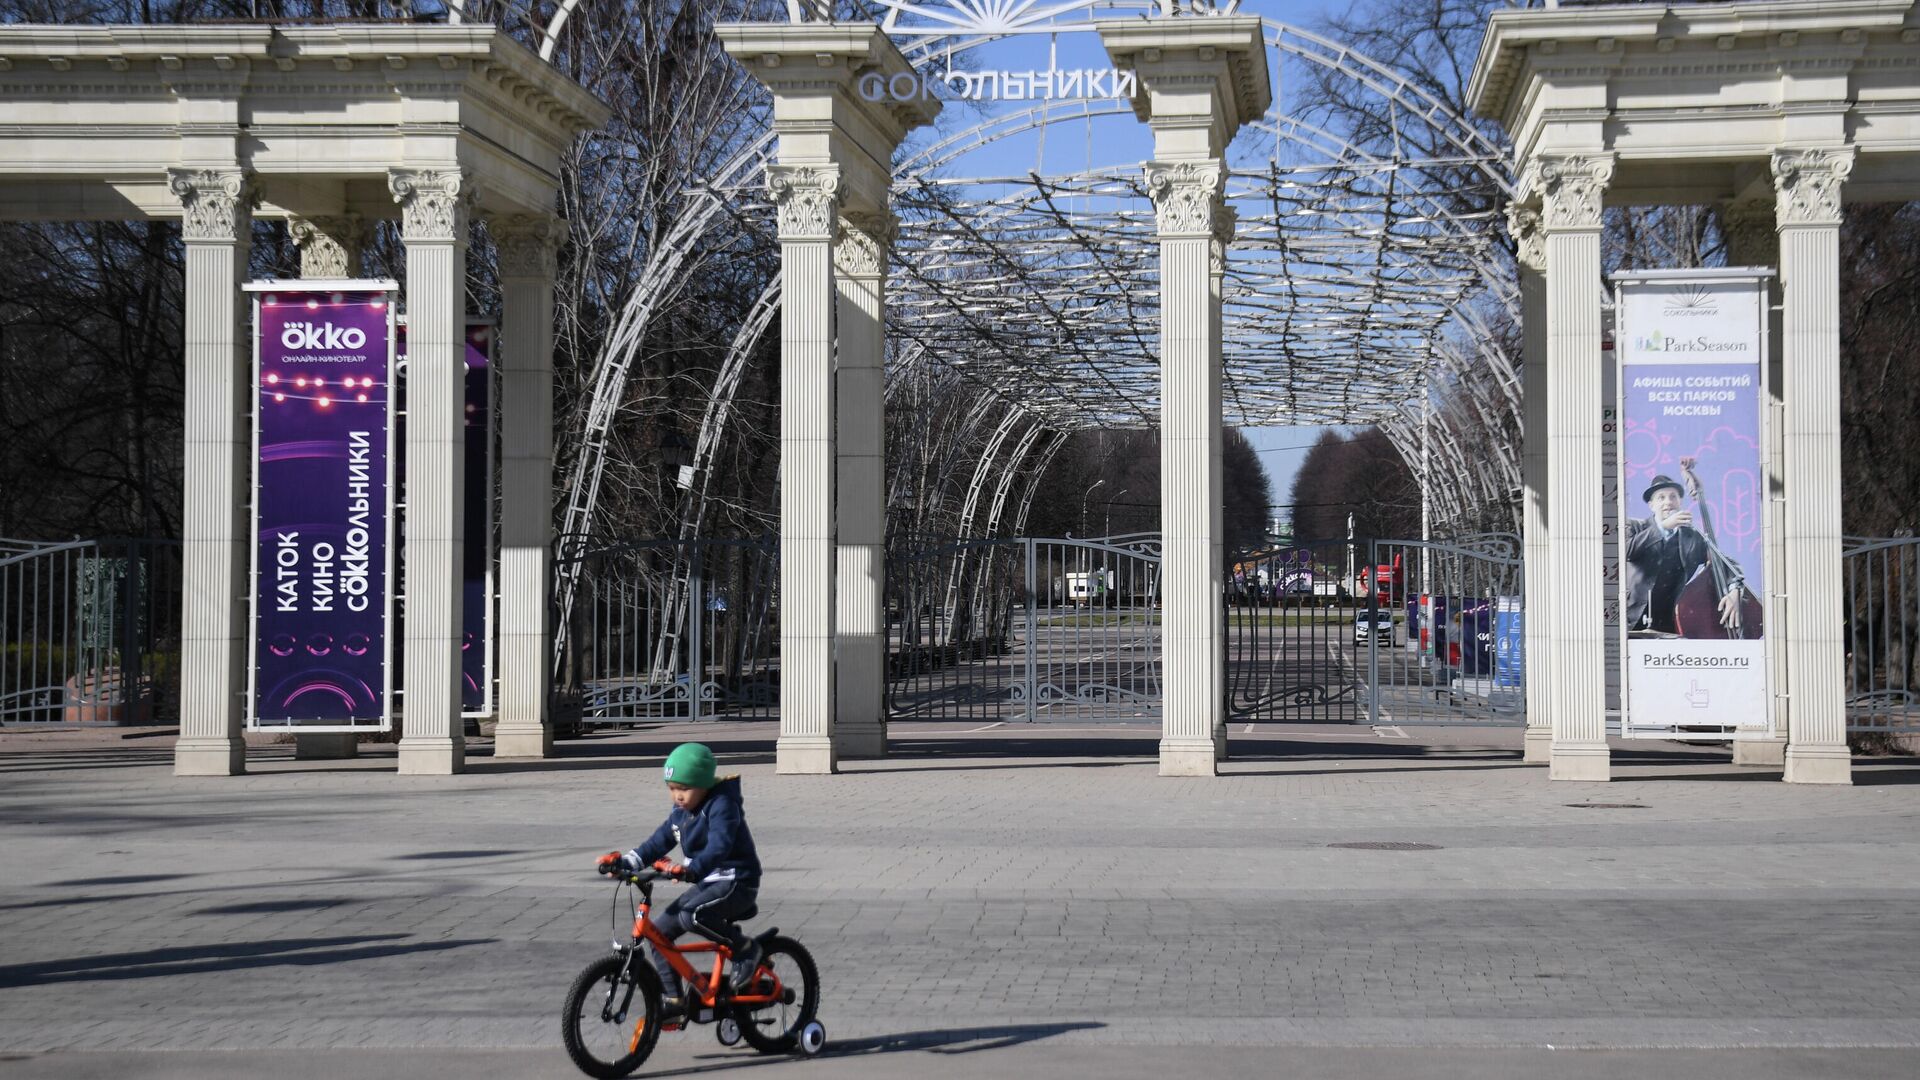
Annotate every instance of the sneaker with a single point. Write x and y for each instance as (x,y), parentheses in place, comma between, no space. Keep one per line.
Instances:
(672,1009)
(745,963)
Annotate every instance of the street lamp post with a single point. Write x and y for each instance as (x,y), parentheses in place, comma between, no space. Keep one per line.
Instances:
(1086,582)
(1108,527)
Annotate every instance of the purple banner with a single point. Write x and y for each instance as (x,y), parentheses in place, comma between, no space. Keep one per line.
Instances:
(1692,451)
(321,508)
(476,607)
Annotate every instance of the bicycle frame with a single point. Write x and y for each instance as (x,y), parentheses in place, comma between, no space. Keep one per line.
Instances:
(708,986)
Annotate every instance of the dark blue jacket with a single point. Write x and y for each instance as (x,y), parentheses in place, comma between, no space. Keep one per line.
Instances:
(713,839)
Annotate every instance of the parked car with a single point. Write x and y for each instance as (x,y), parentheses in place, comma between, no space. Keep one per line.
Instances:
(1368,624)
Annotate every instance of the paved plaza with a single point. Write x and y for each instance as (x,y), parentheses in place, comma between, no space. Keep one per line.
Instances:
(1005,902)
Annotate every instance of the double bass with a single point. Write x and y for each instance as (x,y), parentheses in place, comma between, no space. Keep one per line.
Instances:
(1697,611)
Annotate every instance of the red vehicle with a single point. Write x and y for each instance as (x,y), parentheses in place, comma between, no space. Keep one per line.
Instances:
(1387,581)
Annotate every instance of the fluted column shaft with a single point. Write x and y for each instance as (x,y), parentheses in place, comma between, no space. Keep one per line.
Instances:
(860,628)
(1187,199)
(434,228)
(1808,185)
(807,198)
(1221,243)
(1530,243)
(1573,187)
(215,525)
(527,246)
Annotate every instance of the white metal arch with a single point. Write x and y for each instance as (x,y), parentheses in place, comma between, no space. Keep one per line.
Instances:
(1478,267)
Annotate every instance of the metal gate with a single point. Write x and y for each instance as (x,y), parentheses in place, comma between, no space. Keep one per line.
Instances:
(1881,583)
(1024,630)
(90,632)
(1446,641)
(670,628)
(1290,649)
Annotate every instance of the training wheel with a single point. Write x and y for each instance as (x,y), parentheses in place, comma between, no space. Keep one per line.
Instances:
(727,1031)
(813,1038)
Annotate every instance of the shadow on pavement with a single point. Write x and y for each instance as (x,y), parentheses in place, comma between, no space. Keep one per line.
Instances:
(948,1041)
(199,959)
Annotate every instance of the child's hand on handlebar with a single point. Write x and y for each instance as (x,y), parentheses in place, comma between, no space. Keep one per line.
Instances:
(670,868)
(611,862)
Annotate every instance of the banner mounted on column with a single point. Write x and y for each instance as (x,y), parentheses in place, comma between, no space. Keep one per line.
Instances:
(1692,344)
(322,607)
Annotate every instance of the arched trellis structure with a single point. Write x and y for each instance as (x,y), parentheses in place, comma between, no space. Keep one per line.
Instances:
(1345,268)
(1352,275)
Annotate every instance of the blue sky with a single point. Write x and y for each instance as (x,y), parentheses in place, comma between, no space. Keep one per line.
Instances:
(1071,147)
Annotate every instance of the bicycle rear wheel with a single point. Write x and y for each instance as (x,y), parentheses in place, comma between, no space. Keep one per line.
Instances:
(612,1016)
(775,1028)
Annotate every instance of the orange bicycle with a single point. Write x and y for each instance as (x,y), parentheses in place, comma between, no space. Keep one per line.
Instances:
(612,1018)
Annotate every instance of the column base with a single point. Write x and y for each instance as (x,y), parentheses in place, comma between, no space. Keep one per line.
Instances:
(332,746)
(1819,765)
(859,740)
(1593,764)
(1187,758)
(1538,746)
(432,757)
(522,740)
(1760,752)
(215,756)
(807,755)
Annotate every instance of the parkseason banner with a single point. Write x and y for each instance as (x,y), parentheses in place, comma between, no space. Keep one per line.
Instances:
(1692,346)
(321,603)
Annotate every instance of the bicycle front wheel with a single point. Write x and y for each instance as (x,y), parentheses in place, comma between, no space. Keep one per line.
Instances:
(612,1016)
(775,1028)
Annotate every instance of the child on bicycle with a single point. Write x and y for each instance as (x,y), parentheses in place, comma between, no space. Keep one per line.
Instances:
(708,823)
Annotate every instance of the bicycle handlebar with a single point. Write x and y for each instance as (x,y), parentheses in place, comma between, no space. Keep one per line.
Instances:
(635,877)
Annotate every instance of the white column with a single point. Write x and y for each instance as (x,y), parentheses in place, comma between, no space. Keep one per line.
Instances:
(526,243)
(1808,184)
(1186,198)
(860,628)
(1217,248)
(807,199)
(1573,186)
(1530,243)
(1753,240)
(329,248)
(216,225)
(433,214)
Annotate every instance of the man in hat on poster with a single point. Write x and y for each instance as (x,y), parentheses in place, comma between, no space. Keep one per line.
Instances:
(1664,551)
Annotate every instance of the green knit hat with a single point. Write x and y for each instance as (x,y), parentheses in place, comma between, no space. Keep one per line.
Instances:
(690,764)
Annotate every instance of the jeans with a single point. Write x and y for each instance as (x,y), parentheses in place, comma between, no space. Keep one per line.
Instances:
(707,909)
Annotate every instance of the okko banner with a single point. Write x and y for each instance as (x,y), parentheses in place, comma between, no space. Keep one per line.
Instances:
(322,608)
(1692,348)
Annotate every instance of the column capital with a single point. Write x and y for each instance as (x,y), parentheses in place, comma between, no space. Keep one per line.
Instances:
(527,244)
(1807,185)
(1225,220)
(1527,226)
(217,204)
(1186,196)
(434,203)
(807,198)
(1752,235)
(329,246)
(1571,187)
(865,244)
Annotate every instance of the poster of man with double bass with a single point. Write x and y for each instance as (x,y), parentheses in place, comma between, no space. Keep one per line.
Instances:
(1692,348)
